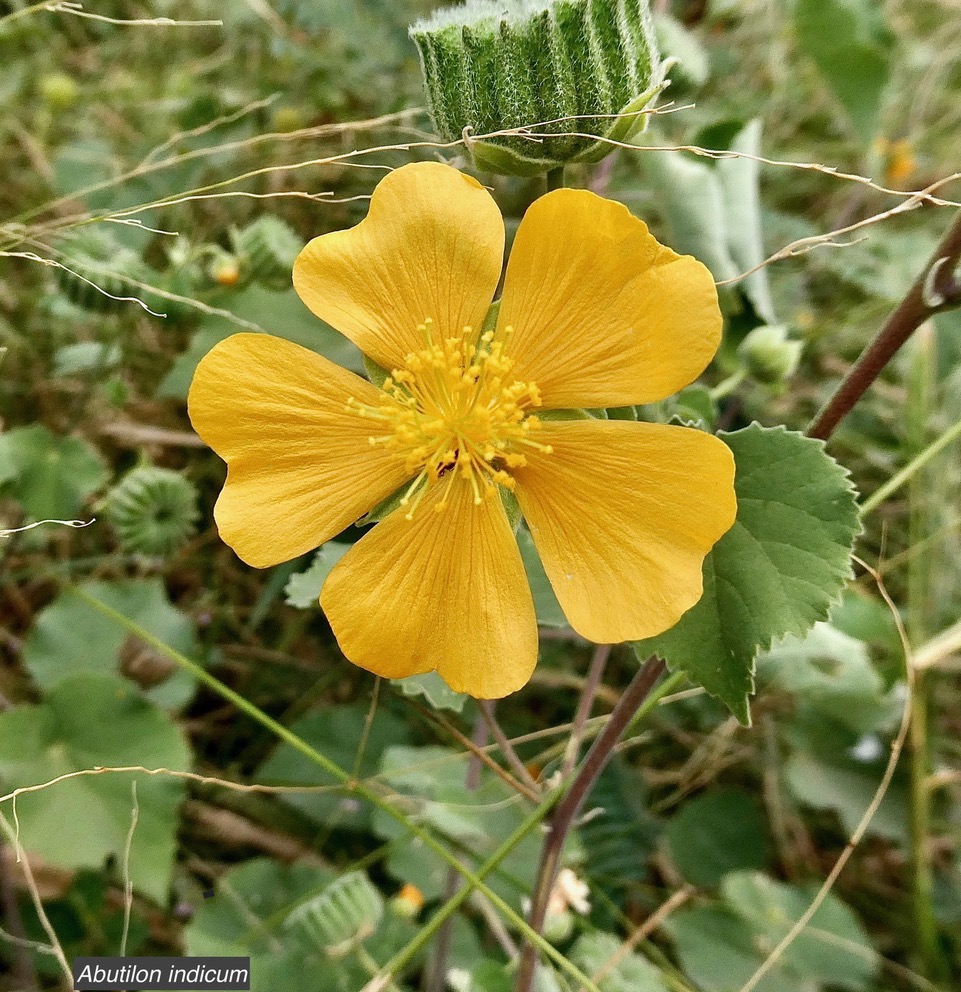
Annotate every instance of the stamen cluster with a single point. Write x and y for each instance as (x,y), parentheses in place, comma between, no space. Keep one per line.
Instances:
(455,410)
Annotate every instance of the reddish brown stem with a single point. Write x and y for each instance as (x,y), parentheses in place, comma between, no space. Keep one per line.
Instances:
(937,288)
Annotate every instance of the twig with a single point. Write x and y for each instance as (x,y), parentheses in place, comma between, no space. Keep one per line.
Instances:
(127,880)
(31,883)
(570,804)
(937,289)
(23,971)
(480,753)
(598,664)
(507,749)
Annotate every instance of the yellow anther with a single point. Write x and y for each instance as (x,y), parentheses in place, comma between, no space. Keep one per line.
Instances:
(453,411)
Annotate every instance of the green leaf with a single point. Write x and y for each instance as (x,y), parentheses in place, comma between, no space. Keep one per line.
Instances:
(632,973)
(245,918)
(848,788)
(742,213)
(434,689)
(715,833)
(832,950)
(92,721)
(848,42)
(775,572)
(691,197)
(337,732)
(830,672)
(548,610)
(474,822)
(622,834)
(86,356)
(51,476)
(722,945)
(280,313)
(303,588)
(717,952)
(677,41)
(70,636)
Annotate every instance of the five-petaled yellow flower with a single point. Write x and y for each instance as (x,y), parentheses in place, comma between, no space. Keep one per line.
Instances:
(594,313)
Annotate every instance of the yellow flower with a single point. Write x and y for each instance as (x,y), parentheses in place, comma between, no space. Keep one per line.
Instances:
(594,313)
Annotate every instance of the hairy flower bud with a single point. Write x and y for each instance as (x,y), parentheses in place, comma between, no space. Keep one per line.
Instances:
(570,67)
(769,356)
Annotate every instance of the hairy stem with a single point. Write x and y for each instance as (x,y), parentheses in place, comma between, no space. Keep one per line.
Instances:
(571,802)
(937,288)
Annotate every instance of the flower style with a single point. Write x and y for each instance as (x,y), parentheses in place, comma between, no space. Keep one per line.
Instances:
(594,313)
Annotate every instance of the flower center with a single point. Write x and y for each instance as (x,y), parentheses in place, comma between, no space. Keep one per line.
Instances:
(455,410)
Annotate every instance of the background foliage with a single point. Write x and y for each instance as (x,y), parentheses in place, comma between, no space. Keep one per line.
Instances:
(706,839)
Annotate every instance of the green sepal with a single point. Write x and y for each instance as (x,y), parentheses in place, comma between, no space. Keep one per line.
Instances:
(376,373)
(511,507)
(384,508)
(564,415)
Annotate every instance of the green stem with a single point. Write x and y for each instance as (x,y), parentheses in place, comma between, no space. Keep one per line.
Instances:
(339,774)
(728,385)
(918,462)
(555,178)
(930,960)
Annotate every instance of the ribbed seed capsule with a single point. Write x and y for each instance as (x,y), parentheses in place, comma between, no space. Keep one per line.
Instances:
(488,69)
(93,279)
(348,911)
(267,249)
(152,510)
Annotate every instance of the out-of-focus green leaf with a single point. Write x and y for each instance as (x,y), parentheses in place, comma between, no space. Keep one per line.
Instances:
(742,215)
(848,789)
(691,197)
(50,476)
(303,588)
(715,833)
(279,313)
(775,572)
(338,733)
(848,42)
(632,973)
(70,636)
(86,356)
(245,917)
(677,41)
(549,612)
(434,689)
(832,673)
(475,822)
(85,722)
(721,946)
(833,950)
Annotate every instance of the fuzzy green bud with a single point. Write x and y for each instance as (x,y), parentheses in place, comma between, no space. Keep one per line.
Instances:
(59,91)
(768,356)
(577,69)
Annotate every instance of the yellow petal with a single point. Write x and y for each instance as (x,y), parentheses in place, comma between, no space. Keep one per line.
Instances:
(622,515)
(300,467)
(604,315)
(432,246)
(445,590)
